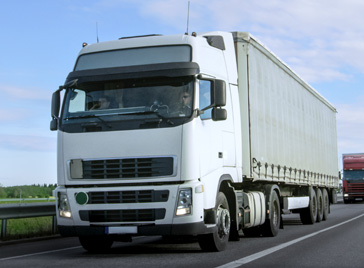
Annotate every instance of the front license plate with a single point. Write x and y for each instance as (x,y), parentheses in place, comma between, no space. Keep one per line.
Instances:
(121,230)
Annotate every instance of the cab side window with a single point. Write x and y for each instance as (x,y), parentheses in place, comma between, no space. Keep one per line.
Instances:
(205,98)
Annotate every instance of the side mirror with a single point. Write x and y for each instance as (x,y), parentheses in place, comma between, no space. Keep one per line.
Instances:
(56,103)
(218,114)
(218,93)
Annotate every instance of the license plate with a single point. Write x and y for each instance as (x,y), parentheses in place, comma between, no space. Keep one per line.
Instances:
(121,230)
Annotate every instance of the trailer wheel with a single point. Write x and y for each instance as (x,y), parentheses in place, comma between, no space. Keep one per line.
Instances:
(326,203)
(217,241)
(320,205)
(271,225)
(309,215)
(96,244)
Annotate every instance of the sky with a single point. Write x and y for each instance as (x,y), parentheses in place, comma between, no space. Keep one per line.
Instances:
(323,41)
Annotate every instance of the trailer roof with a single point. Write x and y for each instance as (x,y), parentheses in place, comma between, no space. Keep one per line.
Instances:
(249,38)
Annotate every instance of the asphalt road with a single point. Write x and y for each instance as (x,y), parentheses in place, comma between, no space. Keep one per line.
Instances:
(337,242)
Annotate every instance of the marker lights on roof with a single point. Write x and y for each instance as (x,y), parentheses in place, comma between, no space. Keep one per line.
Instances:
(84,44)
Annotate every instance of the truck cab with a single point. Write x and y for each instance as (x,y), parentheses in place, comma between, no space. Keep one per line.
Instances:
(353,177)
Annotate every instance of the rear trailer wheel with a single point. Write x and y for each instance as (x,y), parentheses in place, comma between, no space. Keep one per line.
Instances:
(217,241)
(309,215)
(320,205)
(326,203)
(96,244)
(271,225)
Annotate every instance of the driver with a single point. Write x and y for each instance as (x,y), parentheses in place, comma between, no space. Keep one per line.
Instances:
(186,103)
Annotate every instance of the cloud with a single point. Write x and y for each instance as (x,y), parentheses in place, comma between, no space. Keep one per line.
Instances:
(350,125)
(317,38)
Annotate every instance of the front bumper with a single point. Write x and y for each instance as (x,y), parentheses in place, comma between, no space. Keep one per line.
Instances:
(146,230)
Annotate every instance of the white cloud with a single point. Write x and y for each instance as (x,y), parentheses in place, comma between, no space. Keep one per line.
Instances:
(350,126)
(317,38)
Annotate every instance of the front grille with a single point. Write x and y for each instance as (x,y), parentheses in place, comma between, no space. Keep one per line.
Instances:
(356,188)
(130,215)
(117,197)
(128,168)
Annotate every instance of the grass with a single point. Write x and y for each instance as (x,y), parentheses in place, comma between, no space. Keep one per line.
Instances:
(27,227)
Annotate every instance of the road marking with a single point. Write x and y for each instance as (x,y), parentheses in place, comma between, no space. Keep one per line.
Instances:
(268,251)
(38,253)
(50,251)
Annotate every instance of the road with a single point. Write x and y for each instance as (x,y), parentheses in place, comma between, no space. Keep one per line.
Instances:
(338,242)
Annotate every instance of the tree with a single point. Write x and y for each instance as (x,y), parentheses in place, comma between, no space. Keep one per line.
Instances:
(2,192)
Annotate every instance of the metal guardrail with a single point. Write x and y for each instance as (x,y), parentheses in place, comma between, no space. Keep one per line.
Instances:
(49,199)
(26,210)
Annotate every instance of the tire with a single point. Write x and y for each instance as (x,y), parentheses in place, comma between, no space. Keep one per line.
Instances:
(320,205)
(96,244)
(217,241)
(326,203)
(309,215)
(271,225)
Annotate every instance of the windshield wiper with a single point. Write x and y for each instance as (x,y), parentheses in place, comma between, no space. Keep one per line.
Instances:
(89,116)
(152,112)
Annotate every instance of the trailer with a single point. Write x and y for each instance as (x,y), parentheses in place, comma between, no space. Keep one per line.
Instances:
(208,135)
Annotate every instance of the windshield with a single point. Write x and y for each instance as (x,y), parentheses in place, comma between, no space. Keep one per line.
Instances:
(354,175)
(133,99)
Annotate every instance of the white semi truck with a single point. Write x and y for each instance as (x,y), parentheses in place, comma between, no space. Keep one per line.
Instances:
(199,135)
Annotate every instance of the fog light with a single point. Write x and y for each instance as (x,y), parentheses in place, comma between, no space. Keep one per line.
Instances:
(184,205)
(64,209)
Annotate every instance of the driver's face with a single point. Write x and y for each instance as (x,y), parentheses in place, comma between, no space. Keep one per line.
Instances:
(104,103)
(186,99)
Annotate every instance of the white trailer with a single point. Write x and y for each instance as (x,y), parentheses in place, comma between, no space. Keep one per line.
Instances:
(203,135)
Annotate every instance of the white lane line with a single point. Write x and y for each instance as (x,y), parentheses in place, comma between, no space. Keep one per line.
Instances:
(38,253)
(268,251)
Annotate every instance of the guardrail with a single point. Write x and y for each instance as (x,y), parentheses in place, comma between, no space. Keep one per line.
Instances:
(49,199)
(26,210)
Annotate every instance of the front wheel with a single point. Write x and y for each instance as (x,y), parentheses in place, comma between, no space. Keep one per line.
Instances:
(217,241)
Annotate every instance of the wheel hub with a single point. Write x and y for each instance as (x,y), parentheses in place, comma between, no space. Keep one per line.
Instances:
(223,221)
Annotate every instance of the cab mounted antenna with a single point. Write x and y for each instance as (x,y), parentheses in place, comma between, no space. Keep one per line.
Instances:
(188,17)
(97,32)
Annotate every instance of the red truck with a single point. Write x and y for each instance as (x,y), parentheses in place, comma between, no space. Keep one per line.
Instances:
(353,177)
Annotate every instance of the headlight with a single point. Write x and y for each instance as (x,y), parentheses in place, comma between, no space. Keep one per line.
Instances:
(184,205)
(346,195)
(63,206)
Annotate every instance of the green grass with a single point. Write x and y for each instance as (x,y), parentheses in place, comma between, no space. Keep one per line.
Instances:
(28,227)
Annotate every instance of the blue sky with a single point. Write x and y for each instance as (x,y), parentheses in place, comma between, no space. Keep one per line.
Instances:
(323,41)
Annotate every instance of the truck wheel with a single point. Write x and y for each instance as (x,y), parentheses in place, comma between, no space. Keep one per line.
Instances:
(271,225)
(320,205)
(96,244)
(217,241)
(309,215)
(326,203)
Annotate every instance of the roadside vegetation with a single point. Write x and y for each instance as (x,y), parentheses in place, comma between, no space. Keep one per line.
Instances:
(27,227)
(27,191)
